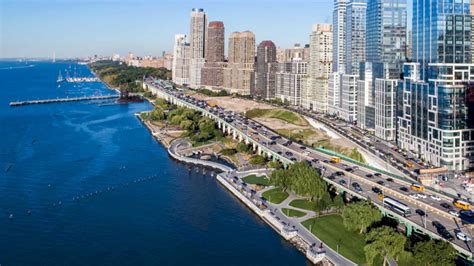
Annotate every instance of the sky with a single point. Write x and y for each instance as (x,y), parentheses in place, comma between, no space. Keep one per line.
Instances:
(79,28)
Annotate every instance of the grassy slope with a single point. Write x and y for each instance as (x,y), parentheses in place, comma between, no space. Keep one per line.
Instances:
(258,180)
(292,212)
(282,114)
(276,195)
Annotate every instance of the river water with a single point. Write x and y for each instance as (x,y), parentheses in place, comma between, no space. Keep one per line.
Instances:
(86,184)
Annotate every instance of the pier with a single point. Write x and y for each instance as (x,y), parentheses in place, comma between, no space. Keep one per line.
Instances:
(62,100)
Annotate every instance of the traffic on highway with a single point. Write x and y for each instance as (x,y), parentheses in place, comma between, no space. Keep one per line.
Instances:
(430,212)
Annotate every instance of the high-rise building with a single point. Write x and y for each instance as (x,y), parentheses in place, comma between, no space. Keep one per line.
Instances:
(436,112)
(239,76)
(297,52)
(265,68)
(314,97)
(290,80)
(385,53)
(355,35)
(339,33)
(181,60)
(385,110)
(197,42)
(212,74)
(215,42)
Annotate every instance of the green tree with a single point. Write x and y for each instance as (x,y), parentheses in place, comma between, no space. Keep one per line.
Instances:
(338,202)
(157,114)
(385,242)
(274,164)
(242,147)
(257,160)
(360,215)
(434,253)
(187,125)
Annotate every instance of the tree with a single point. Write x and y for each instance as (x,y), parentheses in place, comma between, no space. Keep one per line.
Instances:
(386,242)
(434,253)
(242,147)
(228,152)
(360,215)
(275,164)
(257,160)
(338,202)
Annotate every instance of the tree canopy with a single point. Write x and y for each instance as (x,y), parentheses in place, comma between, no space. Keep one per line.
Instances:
(360,215)
(434,253)
(385,242)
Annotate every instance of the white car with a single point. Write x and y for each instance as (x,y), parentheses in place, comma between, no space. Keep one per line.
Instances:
(434,197)
(453,212)
(413,196)
(461,236)
(421,195)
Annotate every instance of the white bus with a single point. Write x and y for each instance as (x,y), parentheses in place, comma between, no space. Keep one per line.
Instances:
(396,206)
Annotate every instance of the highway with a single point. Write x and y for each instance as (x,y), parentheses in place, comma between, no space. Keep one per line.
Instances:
(350,173)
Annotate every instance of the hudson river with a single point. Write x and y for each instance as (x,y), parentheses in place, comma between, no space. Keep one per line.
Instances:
(86,184)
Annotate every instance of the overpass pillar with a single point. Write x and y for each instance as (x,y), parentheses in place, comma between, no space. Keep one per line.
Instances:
(247,141)
(234,134)
(241,138)
(254,146)
(219,124)
(409,229)
(228,130)
(259,150)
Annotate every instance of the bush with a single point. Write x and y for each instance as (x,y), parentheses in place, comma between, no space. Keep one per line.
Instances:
(228,152)
(257,160)
(242,147)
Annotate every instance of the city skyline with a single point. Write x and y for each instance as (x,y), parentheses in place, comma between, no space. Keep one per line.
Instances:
(23,24)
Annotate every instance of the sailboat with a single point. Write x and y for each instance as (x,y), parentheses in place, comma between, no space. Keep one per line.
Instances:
(60,78)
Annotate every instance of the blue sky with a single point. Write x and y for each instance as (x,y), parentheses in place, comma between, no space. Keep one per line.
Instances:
(37,28)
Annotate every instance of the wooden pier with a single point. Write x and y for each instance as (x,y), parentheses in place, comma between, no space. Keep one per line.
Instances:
(62,100)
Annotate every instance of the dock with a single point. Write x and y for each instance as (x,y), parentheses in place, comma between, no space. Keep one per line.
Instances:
(62,100)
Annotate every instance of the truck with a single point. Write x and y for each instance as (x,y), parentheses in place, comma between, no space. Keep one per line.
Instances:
(335,159)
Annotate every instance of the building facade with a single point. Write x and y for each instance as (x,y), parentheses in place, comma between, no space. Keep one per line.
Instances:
(386,108)
(355,35)
(265,69)
(197,43)
(339,33)
(181,60)
(239,75)
(436,107)
(291,80)
(319,68)
(212,73)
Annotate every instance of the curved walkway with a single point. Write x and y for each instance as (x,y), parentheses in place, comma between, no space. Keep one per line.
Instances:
(172,150)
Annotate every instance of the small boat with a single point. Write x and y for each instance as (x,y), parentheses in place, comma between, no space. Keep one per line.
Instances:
(60,78)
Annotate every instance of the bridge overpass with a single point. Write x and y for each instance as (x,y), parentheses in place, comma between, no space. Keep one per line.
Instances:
(263,141)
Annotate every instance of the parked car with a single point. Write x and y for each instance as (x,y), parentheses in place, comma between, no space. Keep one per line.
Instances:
(453,212)
(446,205)
(461,236)
(390,179)
(376,190)
(438,225)
(369,176)
(420,212)
(380,182)
(342,182)
(404,189)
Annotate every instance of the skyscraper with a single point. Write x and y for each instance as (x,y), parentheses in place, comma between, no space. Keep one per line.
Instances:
(290,80)
(314,97)
(197,40)
(181,58)
(265,68)
(339,22)
(239,76)
(355,35)
(436,112)
(385,53)
(212,74)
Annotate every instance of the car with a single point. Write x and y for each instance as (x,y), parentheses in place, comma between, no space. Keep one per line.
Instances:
(461,236)
(315,160)
(331,177)
(369,175)
(420,212)
(339,173)
(434,197)
(293,159)
(438,225)
(380,182)
(413,196)
(446,205)
(342,182)
(302,147)
(357,187)
(326,161)
(390,179)
(454,213)
(376,190)
(446,235)
(349,169)
(404,189)
(377,174)
(288,153)
(421,195)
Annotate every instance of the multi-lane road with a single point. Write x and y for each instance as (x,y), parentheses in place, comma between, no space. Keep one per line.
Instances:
(334,173)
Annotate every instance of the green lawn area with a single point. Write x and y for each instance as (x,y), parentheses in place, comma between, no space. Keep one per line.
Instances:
(258,180)
(305,205)
(276,195)
(332,232)
(278,113)
(292,212)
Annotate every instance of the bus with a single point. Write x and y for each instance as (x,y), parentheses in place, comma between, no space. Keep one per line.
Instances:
(396,206)
(467,217)
(417,187)
(462,205)
(335,159)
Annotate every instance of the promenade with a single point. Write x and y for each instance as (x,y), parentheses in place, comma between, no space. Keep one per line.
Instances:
(62,100)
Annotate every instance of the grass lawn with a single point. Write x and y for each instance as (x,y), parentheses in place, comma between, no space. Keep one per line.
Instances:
(276,195)
(305,205)
(332,232)
(258,180)
(277,113)
(293,212)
